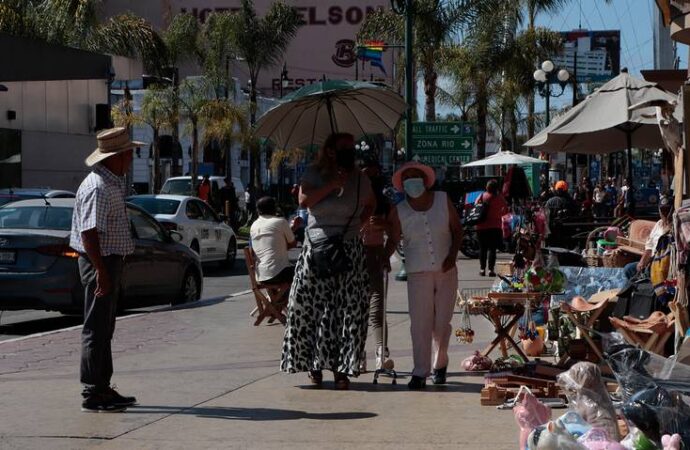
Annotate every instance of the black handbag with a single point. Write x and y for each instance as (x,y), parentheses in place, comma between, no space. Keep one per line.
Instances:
(328,255)
(478,212)
(637,300)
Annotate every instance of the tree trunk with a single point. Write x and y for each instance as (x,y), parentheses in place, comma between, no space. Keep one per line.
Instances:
(514,132)
(195,157)
(156,161)
(482,113)
(430,77)
(531,120)
(254,154)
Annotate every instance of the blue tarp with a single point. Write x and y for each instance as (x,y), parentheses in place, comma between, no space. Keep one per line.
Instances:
(587,281)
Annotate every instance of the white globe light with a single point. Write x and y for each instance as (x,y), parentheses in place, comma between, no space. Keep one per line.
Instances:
(547,66)
(563,75)
(540,76)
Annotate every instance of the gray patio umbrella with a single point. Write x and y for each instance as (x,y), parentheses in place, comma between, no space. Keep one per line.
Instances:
(603,123)
(309,115)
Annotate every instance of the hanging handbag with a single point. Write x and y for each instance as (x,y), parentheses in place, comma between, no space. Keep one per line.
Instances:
(328,256)
(637,299)
(478,212)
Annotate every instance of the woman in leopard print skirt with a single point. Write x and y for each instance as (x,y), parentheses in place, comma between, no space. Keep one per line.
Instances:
(327,317)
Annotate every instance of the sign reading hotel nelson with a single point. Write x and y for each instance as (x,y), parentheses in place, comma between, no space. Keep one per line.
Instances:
(324,44)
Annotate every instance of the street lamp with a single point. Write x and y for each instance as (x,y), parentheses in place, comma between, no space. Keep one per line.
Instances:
(284,81)
(544,77)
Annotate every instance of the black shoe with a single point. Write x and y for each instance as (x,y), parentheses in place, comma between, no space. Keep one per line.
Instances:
(438,376)
(416,383)
(100,403)
(120,400)
(482,273)
(492,274)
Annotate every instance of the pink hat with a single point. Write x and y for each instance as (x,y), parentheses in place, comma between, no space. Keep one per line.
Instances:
(429,174)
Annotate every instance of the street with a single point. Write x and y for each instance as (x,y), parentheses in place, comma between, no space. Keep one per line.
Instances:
(218,282)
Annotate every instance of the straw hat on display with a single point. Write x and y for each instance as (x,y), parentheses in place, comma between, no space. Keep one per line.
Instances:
(110,143)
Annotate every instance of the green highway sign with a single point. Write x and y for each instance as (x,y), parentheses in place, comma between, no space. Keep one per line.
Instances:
(443,143)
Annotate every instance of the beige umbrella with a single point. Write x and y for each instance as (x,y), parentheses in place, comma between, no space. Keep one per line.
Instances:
(603,122)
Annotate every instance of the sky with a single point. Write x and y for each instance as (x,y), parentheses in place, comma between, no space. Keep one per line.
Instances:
(634,18)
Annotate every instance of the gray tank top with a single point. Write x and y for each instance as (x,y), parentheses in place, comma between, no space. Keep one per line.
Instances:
(329,217)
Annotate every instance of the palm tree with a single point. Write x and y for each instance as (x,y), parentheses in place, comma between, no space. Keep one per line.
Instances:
(75,23)
(436,25)
(262,42)
(157,111)
(193,96)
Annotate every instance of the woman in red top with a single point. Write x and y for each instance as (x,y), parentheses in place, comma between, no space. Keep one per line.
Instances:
(489,230)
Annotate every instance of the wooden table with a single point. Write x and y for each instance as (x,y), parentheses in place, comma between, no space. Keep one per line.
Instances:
(504,310)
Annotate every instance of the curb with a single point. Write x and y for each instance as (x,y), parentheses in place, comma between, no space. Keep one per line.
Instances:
(202,302)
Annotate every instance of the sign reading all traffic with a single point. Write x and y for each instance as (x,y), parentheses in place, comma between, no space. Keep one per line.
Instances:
(442,143)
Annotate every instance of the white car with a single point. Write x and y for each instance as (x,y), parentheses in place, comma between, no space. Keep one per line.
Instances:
(201,228)
(182,186)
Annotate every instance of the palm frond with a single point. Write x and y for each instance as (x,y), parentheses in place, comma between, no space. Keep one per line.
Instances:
(181,38)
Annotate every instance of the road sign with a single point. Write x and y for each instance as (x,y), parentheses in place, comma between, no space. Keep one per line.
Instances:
(442,143)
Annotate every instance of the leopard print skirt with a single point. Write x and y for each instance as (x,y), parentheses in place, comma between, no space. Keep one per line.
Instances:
(327,318)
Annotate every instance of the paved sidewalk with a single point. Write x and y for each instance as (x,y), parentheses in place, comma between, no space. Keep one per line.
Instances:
(206,378)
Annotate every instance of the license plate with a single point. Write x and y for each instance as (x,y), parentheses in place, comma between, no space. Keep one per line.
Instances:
(7,257)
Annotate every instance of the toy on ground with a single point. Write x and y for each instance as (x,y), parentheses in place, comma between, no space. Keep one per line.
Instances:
(598,439)
(671,442)
(529,413)
(477,363)
(552,437)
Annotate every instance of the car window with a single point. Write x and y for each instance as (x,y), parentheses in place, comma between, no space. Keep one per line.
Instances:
(177,187)
(156,205)
(36,217)
(207,212)
(193,211)
(145,227)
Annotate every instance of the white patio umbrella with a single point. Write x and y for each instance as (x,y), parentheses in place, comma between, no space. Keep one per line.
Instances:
(504,158)
(603,123)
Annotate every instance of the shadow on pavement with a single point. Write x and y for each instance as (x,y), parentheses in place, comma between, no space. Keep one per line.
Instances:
(255,414)
(385,385)
(25,328)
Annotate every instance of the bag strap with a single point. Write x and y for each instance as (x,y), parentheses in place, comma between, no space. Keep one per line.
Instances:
(354,213)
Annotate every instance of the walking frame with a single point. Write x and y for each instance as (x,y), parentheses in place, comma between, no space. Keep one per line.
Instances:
(383,371)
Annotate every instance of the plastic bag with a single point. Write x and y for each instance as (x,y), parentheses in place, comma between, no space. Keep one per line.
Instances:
(598,439)
(477,362)
(587,395)
(529,413)
(552,436)
(657,411)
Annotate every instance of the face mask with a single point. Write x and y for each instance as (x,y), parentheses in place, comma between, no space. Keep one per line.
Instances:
(414,187)
(345,159)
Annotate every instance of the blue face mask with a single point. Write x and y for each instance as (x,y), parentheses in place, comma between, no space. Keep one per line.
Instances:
(414,187)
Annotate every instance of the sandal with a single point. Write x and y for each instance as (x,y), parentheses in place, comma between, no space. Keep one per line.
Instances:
(316,377)
(342,382)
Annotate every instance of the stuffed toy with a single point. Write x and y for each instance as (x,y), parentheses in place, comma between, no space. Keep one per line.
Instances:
(598,439)
(588,396)
(552,437)
(529,413)
(671,442)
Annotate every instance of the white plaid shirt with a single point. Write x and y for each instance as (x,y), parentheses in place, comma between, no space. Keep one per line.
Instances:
(100,204)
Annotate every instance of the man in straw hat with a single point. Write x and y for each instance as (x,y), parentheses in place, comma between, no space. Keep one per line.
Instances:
(102,236)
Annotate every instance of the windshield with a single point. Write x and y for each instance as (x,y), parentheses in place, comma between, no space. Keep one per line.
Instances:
(155,206)
(177,187)
(36,217)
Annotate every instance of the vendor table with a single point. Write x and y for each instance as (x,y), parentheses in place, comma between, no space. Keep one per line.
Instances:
(503,310)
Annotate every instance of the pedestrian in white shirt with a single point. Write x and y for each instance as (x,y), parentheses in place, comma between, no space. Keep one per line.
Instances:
(271,239)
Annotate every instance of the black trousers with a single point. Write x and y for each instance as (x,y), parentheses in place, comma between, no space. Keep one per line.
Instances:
(99,325)
(489,241)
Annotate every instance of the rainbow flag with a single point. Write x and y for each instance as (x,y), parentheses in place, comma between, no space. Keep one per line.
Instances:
(372,51)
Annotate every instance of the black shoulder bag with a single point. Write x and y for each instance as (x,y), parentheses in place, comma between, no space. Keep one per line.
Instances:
(328,256)
(636,299)
(478,212)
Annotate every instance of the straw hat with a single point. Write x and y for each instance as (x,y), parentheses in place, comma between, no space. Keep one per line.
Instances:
(429,174)
(110,143)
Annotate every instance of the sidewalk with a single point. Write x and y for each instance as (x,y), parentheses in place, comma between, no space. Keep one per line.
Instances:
(206,378)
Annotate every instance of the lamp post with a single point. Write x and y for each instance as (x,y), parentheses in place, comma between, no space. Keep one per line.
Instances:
(284,81)
(544,77)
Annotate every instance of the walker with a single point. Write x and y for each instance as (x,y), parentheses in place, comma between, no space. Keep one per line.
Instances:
(382,371)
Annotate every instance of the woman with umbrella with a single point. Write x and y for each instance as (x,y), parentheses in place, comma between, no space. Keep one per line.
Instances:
(327,313)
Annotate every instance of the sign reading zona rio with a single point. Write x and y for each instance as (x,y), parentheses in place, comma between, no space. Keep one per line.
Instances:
(442,143)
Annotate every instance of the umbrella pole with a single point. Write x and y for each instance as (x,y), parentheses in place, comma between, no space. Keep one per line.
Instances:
(331,119)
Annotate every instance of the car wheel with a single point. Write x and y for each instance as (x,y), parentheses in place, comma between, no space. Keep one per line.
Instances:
(189,292)
(230,254)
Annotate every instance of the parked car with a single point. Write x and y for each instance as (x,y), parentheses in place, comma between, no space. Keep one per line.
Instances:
(201,228)
(38,269)
(183,186)
(11,194)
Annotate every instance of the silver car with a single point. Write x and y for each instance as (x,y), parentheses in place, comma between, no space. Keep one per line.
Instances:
(38,269)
